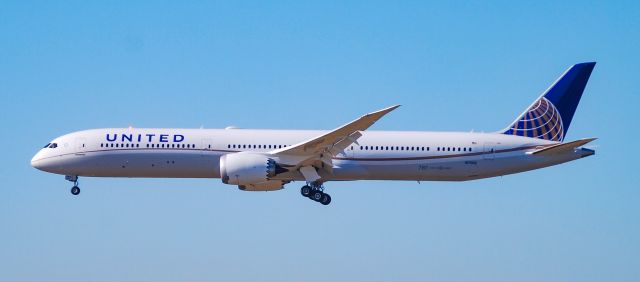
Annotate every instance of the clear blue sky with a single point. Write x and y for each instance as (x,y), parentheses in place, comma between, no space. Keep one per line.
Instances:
(72,65)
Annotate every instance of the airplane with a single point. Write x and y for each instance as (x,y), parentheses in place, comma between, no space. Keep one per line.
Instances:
(266,160)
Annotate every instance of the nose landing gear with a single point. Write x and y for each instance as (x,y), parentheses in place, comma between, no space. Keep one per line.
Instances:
(75,190)
(315,191)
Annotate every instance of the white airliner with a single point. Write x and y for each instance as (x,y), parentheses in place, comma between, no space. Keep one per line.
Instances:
(266,160)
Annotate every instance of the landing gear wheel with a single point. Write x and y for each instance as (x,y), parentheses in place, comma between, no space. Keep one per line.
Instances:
(317,196)
(305,191)
(75,190)
(326,199)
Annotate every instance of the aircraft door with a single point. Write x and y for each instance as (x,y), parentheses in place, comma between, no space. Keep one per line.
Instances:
(489,150)
(349,150)
(80,146)
(207,145)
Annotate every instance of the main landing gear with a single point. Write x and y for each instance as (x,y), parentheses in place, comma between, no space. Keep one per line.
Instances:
(315,191)
(75,190)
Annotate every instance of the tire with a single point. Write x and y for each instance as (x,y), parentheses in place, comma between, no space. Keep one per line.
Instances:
(305,191)
(317,196)
(75,190)
(326,199)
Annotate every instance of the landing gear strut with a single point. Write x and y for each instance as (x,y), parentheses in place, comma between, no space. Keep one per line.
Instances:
(75,190)
(315,191)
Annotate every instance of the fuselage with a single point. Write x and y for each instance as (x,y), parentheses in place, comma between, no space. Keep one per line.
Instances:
(378,155)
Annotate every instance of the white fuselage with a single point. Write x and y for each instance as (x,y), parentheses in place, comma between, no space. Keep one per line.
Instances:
(379,155)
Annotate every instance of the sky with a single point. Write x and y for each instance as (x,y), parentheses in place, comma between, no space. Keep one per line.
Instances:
(454,66)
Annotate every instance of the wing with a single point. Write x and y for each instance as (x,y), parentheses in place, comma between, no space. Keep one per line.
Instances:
(308,156)
(560,148)
(339,138)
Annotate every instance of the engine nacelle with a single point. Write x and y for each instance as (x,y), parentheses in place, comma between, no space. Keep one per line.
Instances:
(250,171)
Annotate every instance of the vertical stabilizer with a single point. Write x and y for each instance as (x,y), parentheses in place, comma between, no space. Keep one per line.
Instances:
(550,115)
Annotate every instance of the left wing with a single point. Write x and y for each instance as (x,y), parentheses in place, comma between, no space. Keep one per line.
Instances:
(339,138)
(310,155)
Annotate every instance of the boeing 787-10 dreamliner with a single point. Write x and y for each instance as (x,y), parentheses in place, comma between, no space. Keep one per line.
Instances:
(266,160)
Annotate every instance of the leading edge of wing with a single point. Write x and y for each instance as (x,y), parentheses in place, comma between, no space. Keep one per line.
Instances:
(318,144)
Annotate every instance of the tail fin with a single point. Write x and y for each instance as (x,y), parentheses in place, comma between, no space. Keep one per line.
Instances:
(550,115)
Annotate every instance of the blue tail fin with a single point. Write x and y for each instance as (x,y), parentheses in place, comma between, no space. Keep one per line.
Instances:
(549,116)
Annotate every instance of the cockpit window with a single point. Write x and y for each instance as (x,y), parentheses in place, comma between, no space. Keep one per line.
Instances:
(47,146)
(53,145)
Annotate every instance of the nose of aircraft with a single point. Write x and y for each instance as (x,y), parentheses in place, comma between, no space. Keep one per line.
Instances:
(36,161)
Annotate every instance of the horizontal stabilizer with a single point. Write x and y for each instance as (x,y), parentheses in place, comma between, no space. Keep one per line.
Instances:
(561,148)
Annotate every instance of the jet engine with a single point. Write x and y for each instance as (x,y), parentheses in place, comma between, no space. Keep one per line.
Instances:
(250,171)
